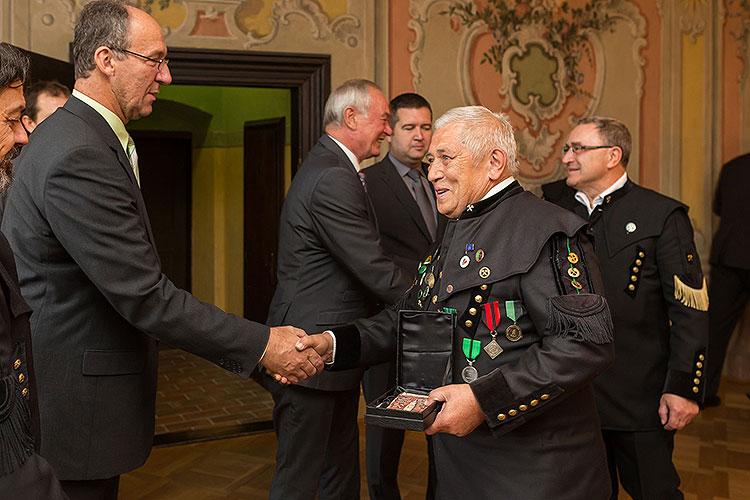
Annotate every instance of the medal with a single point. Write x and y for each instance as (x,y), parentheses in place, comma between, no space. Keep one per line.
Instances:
(430,280)
(513,309)
(484,272)
(630,227)
(479,255)
(469,374)
(471,351)
(492,349)
(464,262)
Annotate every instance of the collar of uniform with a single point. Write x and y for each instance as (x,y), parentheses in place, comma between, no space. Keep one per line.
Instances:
(581,197)
(348,153)
(617,194)
(507,189)
(112,119)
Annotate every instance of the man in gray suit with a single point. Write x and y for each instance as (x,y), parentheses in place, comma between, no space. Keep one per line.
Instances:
(332,269)
(88,268)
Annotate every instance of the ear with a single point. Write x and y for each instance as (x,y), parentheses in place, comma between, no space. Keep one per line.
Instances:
(350,118)
(104,59)
(614,157)
(498,162)
(28,123)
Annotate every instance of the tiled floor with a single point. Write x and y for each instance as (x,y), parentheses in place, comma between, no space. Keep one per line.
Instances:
(712,455)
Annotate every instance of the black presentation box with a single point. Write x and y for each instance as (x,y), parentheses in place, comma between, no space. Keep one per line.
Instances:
(423,362)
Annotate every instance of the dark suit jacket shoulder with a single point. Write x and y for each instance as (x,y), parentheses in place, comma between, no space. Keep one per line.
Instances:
(732,240)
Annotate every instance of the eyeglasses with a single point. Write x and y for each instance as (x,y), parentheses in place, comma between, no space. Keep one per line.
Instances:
(578,148)
(159,62)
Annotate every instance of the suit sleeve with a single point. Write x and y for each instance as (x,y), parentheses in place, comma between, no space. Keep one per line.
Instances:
(340,219)
(687,304)
(576,343)
(91,208)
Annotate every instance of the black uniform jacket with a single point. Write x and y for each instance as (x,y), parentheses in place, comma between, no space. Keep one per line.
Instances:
(541,437)
(732,240)
(656,291)
(24,475)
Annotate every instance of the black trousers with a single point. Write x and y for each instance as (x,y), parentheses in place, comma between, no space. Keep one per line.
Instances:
(93,489)
(729,291)
(643,461)
(318,443)
(383,445)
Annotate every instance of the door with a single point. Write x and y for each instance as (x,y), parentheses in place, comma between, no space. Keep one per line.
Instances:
(263,194)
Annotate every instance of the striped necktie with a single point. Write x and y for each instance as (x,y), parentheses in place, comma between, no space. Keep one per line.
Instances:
(133,159)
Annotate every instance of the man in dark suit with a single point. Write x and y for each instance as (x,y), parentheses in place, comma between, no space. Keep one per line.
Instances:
(657,294)
(729,287)
(409,224)
(42,99)
(88,268)
(24,475)
(331,269)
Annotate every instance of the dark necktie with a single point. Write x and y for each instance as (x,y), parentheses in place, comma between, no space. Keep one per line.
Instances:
(424,201)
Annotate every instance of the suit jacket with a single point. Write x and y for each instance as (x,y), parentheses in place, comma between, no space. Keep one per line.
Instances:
(332,267)
(23,473)
(644,242)
(732,240)
(541,428)
(403,231)
(88,268)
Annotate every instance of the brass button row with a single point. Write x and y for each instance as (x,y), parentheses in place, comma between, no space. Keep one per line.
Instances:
(17,364)
(514,412)
(698,373)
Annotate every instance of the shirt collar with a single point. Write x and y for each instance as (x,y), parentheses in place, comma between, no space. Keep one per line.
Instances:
(583,199)
(499,187)
(112,119)
(402,169)
(348,153)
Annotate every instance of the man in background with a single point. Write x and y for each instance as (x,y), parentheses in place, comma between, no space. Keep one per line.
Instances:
(332,269)
(24,475)
(409,224)
(88,267)
(657,295)
(42,99)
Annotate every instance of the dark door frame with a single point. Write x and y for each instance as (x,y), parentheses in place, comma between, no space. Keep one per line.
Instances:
(308,76)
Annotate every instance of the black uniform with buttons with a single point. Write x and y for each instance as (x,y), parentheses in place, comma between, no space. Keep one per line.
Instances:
(23,473)
(540,438)
(657,294)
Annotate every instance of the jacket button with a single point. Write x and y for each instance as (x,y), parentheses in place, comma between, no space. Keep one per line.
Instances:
(635,269)
(17,364)
(501,417)
(483,287)
(473,311)
(468,323)
(449,289)
(523,407)
(21,378)
(25,391)
(696,381)
(534,402)
(641,255)
(631,287)
(434,299)
(478,299)
(699,364)
(698,373)
(701,357)
(695,390)
(638,262)
(544,397)
(512,413)
(634,278)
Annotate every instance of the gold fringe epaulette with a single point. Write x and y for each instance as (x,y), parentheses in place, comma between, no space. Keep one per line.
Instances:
(691,297)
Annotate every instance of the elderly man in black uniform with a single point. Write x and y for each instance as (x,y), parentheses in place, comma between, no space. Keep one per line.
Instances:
(24,474)
(657,293)
(520,278)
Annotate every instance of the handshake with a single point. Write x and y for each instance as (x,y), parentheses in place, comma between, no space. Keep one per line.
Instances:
(292,355)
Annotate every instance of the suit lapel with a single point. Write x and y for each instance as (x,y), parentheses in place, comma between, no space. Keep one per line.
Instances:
(100,125)
(396,184)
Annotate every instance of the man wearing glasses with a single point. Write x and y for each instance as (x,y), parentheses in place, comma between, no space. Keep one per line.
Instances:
(88,267)
(657,296)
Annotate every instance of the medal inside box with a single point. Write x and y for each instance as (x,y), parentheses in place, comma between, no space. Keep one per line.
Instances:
(423,362)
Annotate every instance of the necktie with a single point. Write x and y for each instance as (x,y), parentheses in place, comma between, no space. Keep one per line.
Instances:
(362,180)
(424,201)
(133,159)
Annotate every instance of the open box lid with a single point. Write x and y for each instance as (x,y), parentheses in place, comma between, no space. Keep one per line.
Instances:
(425,346)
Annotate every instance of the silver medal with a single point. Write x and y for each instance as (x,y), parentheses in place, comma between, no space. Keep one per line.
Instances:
(469,374)
(493,349)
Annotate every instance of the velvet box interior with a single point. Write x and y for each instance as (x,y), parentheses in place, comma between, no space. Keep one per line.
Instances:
(423,362)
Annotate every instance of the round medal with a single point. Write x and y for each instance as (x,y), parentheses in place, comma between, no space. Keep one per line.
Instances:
(484,272)
(513,333)
(464,262)
(469,374)
(430,280)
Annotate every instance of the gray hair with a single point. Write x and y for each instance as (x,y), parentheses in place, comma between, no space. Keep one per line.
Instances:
(101,23)
(354,93)
(613,132)
(14,65)
(482,131)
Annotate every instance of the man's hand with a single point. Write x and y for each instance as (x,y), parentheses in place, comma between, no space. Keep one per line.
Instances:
(285,361)
(321,342)
(460,414)
(676,412)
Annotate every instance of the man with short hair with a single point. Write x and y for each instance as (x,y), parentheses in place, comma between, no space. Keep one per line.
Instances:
(657,293)
(505,310)
(24,475)
(409,224)
(88,267)
(332,269)
(42,99)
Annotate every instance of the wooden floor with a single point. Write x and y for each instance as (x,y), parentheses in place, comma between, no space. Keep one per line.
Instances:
(712,456)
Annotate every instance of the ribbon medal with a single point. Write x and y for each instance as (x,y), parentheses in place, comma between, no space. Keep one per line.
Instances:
(513,309)
(492,349)
(471,349)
